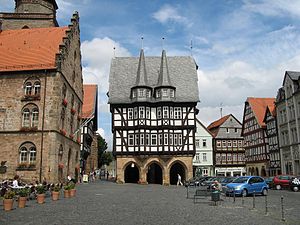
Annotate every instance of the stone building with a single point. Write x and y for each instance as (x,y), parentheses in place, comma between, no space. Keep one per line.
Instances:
(40,100)
(203,159)
(153,105)
(30,14)
(288,122)
(89,142)
(254,133)
(228,144)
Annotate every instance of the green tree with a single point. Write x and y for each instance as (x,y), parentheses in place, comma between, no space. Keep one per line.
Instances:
(104,157)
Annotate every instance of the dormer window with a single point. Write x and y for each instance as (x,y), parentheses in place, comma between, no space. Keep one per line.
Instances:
(165,93)
(172,94)
(158,94)
(133,94)
(148,93)
(141,93)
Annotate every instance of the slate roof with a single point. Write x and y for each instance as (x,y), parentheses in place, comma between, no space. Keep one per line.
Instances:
(214,126)
(259,106)
(30,49)
(182,72)
(293,75)
(89,100)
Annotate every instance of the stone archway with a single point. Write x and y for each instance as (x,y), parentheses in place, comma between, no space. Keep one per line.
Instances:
(154,174)
(256,172)
(177,168)
(131,173)
(263,172)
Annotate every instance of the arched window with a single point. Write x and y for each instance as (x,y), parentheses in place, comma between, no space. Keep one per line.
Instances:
(27,153)
(28,88)
(26,117)
(32,155)
(35,117)
(23,155)
(37,88)
(60,152)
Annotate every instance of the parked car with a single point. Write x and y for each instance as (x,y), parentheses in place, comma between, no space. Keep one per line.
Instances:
(295,184)
(269,181)
(246,185)
(227,180)
(282,181)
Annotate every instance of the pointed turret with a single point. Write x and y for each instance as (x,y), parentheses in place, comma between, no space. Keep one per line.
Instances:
(141,78)
(164,89)
(141,91)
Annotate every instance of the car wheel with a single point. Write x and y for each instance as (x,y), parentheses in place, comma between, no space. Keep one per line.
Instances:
(295,189)
(278,187)
(244,193)
(265,192)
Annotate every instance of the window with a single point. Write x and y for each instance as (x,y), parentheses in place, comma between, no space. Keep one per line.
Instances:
(166,139)
(28,88)
(165,93)
(35,117)
(171,139)
(227,130)
(177,113)
(218,143)
(224,144)
(148,113)
(160,139)
(204,157)
(197,143)
(137,139)
(141,93)
(235,130)
(234,143)
(229,144)
(141,112)
(204,143)
(158,94)
(26,118)
(171,112)
(62,117)
(142,139)
(180,139)
(130,137)
(148,93)
(135,113)
(32,155)
(133,94)
(147,139)
(159,113)
(175,140)
(153,139)
(130,113)
(172,94)
(37,88)
(27,153)
(23,155)
(165,112)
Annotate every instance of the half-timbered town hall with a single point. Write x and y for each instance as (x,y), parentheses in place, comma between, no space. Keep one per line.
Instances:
(153,105)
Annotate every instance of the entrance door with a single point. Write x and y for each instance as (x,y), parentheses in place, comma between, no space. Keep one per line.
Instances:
(131,174)
(176,169)
(154,175)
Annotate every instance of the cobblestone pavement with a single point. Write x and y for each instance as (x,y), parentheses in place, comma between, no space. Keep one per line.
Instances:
(108,203)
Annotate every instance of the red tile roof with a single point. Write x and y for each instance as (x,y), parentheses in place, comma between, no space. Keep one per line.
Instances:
(218,122)
(30,49)
(89,98)
(259,106)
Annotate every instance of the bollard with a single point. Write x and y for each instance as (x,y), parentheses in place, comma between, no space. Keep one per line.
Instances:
(266,203)
(253,200)
(242,200)
(233,196)
(282,209)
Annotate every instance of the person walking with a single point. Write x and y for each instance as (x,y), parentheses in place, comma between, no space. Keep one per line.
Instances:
(179,180)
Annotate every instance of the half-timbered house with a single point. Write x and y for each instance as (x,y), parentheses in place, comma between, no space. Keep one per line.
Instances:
(272,135)
(228,146)
(254,132)
(153,105)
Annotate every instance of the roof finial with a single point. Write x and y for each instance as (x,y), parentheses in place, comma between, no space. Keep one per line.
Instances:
(114,51)
(221,109)
(142,42)
(191,47)
(162,43)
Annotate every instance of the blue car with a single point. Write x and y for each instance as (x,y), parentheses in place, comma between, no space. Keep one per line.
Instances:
(247,185)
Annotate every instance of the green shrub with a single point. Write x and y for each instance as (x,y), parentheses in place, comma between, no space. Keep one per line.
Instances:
(9,194)
(40,189)
(24,192)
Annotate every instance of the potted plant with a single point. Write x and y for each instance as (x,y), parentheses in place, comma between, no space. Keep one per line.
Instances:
(55,192)
(23,194)
(67,189)
(8,200)
(72,189)
(40,191)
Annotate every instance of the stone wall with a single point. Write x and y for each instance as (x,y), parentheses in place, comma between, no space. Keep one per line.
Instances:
(165,162)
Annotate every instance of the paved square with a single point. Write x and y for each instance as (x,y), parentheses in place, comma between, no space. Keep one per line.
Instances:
(108,203)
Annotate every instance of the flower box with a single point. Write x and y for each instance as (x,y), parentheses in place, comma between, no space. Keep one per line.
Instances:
(63,132)
(65,102)
(73,111)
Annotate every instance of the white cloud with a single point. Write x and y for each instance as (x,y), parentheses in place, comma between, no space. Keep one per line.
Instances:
(168,13)
(96,56)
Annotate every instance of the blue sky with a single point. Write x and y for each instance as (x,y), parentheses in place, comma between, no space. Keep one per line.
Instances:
(242,47)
